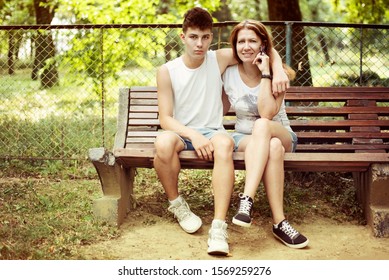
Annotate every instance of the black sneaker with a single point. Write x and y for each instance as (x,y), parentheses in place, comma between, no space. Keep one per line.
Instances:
(243,217)
(289,236)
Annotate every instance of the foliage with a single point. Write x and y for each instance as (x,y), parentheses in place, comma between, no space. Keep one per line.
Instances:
(95,63)
(248,9)
(318,10)
(16,12)
(366,11)
(129,11)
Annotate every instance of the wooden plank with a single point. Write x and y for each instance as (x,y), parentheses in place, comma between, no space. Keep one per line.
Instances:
(340,123)
(296,157)
(305,124)
(301,135)
(332,96)
(149,109)
(342,135)
(140,146)
(301,93)
(348,148)
(143,115)
(148,102)
(298,161)
(143,122)
(335,111)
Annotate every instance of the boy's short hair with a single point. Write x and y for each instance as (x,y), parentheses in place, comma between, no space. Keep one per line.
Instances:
(197,18)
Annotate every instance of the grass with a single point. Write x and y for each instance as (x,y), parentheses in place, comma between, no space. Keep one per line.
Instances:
(47,215)
(46,206)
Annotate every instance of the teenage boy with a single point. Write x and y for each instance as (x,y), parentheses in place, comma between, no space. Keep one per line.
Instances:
(191,114)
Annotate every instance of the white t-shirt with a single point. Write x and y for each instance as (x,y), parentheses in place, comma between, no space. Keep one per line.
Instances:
(197,93)
(244,99)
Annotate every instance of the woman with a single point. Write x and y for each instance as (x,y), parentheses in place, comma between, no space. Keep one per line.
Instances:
(262,129)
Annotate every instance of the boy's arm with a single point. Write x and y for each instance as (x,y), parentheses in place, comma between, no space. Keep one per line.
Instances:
(280,80)
(226,102)
(225,58)
(165,105)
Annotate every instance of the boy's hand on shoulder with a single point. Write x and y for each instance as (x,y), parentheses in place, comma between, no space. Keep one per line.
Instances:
(280,82)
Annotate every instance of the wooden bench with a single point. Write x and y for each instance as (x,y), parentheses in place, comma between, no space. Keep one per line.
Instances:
(343,129)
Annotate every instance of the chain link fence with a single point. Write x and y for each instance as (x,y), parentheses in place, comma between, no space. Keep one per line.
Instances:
(59,84)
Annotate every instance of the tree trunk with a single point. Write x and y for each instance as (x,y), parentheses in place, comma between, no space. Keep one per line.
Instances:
(11,53)
(44,47)
(280,10)
(172,45)
(324,48)
(222,14)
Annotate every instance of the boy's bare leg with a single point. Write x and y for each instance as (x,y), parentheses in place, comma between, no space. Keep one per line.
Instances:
(222,174)
(167,163)
(222,183)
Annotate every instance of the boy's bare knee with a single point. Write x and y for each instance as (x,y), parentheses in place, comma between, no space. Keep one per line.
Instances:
(166,145)
(224,146)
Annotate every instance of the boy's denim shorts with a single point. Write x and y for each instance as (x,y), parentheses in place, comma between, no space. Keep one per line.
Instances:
(237,136)
(207,132)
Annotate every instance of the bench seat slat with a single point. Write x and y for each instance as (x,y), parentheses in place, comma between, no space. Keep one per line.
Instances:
(308,161)
(347,147)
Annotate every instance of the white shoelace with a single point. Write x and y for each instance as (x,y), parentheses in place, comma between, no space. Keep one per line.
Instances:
(245,206)
(181,212)
(289,230)
(219,234)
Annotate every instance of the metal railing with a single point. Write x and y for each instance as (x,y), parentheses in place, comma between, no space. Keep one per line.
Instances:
(59,83)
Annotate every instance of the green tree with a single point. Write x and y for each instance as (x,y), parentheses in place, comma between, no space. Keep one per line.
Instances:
(94,61)
(248,9)
(11,13)
(363,11)
(290,11)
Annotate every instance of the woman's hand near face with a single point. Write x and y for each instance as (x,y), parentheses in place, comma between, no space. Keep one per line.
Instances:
(262,60)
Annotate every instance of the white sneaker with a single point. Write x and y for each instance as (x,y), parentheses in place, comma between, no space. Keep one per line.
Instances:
(217,240)
(186,218)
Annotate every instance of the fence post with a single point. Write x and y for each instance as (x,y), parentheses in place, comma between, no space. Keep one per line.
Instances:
(360,56)
(102,86)
(289,34)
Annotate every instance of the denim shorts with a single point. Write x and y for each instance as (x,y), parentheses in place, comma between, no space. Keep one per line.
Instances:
(206,132)
(237,136)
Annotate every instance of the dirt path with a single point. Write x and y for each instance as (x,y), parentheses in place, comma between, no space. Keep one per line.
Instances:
(145,236)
